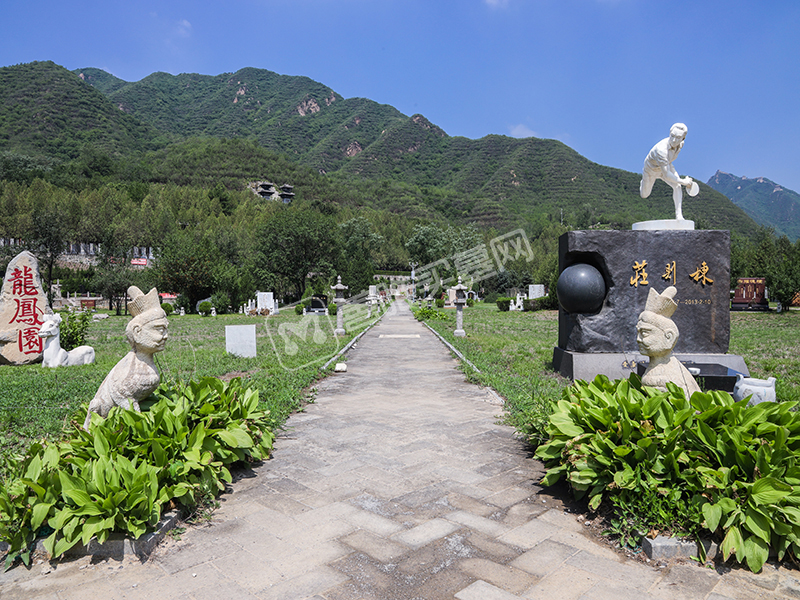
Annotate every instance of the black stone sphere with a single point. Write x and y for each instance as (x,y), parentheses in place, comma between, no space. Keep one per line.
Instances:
(581,289)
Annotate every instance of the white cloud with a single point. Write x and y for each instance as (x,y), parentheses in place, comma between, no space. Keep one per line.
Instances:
(521,131)
(184,28)
(496,3)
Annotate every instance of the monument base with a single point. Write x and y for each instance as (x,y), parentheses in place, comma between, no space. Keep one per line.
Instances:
(659,224)
(586,366)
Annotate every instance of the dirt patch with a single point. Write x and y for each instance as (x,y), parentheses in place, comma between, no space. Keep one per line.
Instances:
(235,374)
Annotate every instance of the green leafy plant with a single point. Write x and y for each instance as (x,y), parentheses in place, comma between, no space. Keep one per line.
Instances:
(73,329)
(439,303)
(221,301)
(735,465)
(204,308)
(122,473)
(424,314)
(167,308)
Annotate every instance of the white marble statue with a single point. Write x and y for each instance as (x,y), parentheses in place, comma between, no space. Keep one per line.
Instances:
(657,335)
(135,376)
(658,165)
(53,354)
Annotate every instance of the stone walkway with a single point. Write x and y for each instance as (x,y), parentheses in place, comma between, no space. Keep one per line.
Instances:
(397,483)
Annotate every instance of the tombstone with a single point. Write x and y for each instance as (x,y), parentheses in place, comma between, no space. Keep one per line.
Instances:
(451,297)
(22,306)
(750,294)
(536,290)
(265,301)
(318,305)
(240,340)
(604,280)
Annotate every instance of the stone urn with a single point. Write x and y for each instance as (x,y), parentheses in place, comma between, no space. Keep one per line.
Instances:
(761,390)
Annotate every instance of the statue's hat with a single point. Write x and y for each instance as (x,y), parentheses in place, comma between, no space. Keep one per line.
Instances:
(141,302)
(662,304)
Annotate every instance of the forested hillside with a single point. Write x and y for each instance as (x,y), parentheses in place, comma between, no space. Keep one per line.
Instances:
(48,111)
(414,167)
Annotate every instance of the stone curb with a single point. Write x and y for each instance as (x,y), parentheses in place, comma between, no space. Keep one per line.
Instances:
(117,545)
(662,547)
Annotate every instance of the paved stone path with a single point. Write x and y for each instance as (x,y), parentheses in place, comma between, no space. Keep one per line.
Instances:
(397,483)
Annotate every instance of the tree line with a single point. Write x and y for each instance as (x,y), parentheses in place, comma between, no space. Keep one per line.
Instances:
(227,244)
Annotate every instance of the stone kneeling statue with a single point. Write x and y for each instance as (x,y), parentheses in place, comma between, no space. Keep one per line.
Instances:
(657,335)
(135,376)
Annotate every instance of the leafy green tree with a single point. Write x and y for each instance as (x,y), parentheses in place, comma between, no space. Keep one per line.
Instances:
(289,246)
(185,263)
(359,243)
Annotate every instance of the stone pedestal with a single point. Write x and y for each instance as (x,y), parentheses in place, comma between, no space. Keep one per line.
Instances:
(339,320)
(603,341)
(459,332)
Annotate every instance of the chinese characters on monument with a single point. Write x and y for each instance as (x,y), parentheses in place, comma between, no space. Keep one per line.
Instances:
(22,306)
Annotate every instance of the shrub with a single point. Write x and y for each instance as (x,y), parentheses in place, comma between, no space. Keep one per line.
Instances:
(738,466)
(470,302)
(548,302)
(503,303)
(298,308)
(205,308)
(423,314)
(440,303)
(182,302)
(332,308)
(491,297)
(73,329)
(167,308)
(121,474)
(221,301)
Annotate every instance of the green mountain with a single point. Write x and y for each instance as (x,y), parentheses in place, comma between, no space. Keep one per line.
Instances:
(352,151)
(47,110)
(765,201)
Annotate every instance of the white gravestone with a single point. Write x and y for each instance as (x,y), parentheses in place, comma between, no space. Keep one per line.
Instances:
(536,291)
(240,340)
(266,301)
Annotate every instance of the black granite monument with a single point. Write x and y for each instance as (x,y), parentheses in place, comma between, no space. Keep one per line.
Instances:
(597,319)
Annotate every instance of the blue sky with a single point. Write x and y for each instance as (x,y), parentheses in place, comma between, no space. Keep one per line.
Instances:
(606,77)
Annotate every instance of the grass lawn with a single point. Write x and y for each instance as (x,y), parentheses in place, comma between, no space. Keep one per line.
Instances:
(38,402)
(514,351)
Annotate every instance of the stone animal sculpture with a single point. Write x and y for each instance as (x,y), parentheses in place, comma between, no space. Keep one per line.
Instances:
(53,354)
(135,376)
